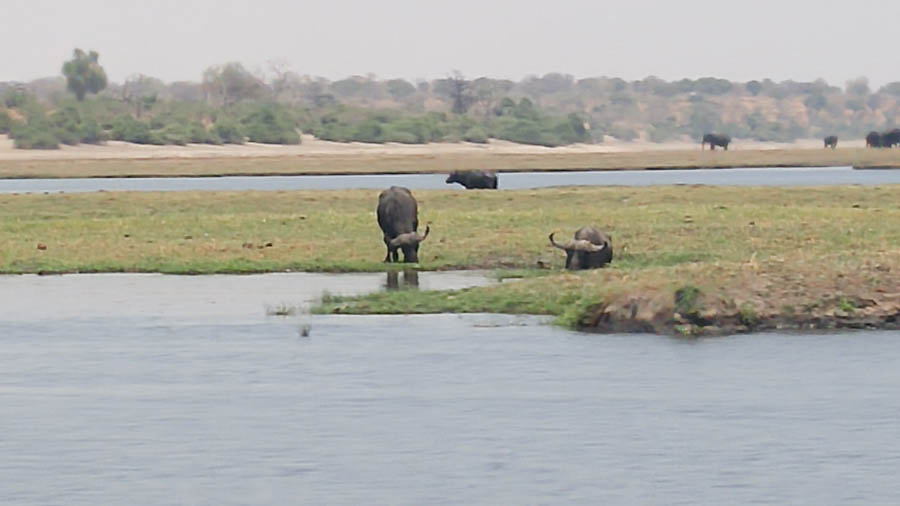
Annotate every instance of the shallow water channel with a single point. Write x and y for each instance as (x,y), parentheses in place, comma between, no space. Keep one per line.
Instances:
(152,389)
(788,176)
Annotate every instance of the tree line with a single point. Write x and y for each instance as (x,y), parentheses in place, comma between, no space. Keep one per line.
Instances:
(231,104)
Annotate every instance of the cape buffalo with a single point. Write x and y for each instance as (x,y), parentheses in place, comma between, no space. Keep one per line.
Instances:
(873,140)
(590,249)
(890,138)
(399,220)
(474,179)
(715,140)
(831,141)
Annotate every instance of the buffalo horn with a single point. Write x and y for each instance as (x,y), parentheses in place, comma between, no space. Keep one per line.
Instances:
(585,245)
(578,245)
(558,245)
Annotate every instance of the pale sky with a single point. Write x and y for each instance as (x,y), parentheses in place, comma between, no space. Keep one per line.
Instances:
(177,39)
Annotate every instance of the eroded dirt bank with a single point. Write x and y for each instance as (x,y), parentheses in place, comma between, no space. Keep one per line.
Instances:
(798,301)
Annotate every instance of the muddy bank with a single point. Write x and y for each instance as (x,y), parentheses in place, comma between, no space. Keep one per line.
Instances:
(255,161)
(690,311)
(877,166)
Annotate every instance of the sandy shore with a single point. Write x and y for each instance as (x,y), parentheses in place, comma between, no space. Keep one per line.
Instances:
(117,150)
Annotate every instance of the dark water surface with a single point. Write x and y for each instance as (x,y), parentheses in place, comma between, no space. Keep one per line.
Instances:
(793,176)
(180,390)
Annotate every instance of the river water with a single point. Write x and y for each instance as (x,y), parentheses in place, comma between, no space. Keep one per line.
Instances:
(791,176)
(150,389)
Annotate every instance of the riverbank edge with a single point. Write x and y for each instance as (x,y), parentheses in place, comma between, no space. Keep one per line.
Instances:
(685,312)
(411,172)
(431,163)
(674,312)
(876,167)
(660,314)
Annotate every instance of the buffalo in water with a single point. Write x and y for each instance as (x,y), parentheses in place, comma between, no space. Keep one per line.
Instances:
(715,140)
(873,140)
(890,138)
(477,179)
(399,220)
(831,141)
(590,249)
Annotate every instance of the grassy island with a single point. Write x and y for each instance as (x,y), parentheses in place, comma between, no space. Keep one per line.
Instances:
(688,259)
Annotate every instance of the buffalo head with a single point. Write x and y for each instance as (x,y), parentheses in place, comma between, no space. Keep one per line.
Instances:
(589,249)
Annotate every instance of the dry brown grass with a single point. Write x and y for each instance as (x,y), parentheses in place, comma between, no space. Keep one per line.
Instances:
(380,163)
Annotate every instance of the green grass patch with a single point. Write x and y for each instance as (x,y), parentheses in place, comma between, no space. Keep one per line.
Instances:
(336,231)
(683,250)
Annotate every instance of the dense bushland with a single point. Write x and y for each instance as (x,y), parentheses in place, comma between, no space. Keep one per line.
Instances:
(233,105)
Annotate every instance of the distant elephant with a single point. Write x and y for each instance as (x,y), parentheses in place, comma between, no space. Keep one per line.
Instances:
(715,140)
(873,140)
(474,179)
(590,249)
(831,141)
(890,138)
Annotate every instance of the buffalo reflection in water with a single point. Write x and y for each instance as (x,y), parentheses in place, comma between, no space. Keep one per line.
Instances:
(408,281)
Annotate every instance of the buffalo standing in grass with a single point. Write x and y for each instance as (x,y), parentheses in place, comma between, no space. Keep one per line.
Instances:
(590,249)
(831,141)
(481,179)
(715,140)
(399,220)
(873,140)
(890,138)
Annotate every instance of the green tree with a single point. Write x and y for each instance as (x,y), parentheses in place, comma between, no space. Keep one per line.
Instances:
(231,83)
(754,87)
(84,74)
(457,89)
(858,86)
(487,91)
(891,88)
(355,87)
(400,89)
(141,92)
(712,86)
(815,101)
(703,119)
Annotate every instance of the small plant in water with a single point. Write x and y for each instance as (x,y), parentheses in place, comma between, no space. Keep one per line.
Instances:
(329,298)
(281,310)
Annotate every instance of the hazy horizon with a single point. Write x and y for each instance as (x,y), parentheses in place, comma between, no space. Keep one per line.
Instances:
(176,41)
